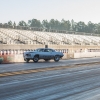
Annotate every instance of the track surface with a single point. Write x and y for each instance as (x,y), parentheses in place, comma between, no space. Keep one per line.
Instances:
(79,83)
(43,64)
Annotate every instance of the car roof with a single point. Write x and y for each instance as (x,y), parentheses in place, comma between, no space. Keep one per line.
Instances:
(43,48)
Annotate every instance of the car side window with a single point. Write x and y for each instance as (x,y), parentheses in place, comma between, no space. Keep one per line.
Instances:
(41,50)
(48,50)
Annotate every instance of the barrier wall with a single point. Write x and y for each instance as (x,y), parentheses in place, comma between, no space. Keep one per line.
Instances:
(19,58)
(13,58)
(6,58)
(86,54)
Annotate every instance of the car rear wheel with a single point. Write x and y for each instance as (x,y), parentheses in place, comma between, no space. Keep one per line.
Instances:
(56,58)
(36,58)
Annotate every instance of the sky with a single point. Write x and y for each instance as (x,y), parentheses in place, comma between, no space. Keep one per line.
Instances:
(78,10)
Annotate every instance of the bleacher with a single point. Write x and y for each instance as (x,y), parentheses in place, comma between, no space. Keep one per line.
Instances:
(17,36)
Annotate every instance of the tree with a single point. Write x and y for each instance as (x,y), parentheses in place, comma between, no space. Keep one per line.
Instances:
(72,25)
(81,26)
(45,24)
(57,24)
(14,24)
(91,27)
(97,28)
(65,25)
(52,24)
(34,23)
(22,23)
(10,23)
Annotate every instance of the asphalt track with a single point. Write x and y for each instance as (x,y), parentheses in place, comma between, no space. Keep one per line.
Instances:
(78,81)
(43,64)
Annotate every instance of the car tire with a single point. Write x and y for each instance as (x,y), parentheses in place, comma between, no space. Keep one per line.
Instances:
(27,60)
(24,59)
(35,59)
(56,58)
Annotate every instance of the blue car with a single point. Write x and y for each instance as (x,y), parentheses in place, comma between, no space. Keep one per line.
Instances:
(43,53)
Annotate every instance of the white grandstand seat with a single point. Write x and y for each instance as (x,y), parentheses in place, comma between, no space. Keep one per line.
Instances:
(14,36)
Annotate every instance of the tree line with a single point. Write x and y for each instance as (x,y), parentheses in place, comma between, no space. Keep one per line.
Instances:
(60,25)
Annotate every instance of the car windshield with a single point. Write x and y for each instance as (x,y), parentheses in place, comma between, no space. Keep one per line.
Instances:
(45,50)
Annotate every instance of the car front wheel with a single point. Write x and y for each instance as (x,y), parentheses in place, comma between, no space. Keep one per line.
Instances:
(27,60)
(56,58)
(36,58)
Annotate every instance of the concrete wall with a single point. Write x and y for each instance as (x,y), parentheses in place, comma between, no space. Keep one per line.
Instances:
(25,46)
(19,57)
(86,54)
(14,53)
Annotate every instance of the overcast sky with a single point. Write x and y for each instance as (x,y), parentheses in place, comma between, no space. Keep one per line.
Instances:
(78,10)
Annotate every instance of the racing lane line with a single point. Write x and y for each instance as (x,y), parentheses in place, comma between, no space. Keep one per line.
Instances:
(46,77)
(42,69)
(30,71)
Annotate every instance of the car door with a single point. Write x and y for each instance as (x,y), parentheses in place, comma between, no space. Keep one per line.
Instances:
(51,53)
(48,53)
(41,53)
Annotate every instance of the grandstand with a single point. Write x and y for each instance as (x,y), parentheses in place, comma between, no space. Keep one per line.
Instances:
(16,36)
(14,39)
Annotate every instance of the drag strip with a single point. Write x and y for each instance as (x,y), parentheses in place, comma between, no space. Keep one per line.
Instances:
(81,82)
(5,74)
(5,68)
